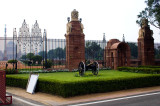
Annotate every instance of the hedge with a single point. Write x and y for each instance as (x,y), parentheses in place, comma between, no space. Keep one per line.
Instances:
(152,70)
(68,89)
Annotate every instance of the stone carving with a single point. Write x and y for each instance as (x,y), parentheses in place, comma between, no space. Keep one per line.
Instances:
(82,27)
(69,28)
(74,15)
(144,22)
(145,30)
(141,33)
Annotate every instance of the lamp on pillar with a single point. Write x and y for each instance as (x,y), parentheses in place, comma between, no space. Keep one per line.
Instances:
(80,20)
(68,19)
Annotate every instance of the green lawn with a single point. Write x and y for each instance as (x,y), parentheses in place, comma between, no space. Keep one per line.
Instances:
(67,84)
(71,77)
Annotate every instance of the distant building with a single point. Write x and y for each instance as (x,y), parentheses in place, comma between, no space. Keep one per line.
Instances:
(1,55)
(9,49)
(28,42)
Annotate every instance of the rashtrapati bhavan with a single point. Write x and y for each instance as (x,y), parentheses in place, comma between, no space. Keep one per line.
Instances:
(29,42)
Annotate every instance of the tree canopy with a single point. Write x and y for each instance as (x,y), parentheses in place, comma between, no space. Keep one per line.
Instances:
(151,12)
(93,51)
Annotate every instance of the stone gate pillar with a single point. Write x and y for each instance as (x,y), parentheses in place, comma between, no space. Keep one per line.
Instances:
(75,43)
(146,44)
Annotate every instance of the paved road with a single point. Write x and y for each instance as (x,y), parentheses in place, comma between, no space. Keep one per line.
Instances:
(20,101)
(149,99)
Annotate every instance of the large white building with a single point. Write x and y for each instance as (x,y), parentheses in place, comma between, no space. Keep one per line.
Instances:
(28,42)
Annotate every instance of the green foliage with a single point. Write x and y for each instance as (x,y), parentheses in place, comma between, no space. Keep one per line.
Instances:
(27,59)
(12,61)
(11,71)
(30,56)
(93,51)
(41,53)
(157,52)
(24,57)
(65,84)
(134,50)
(151,12)
(57,53)
(48,64)
(142,69)
(37,58)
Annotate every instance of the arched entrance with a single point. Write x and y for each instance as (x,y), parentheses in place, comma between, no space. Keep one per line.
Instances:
(117,54)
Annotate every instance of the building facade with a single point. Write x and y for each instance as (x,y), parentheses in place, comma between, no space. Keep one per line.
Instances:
(28,42)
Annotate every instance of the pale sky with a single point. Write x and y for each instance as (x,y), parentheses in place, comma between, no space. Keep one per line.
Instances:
(112,17)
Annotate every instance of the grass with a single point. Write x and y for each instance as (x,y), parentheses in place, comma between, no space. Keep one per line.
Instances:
(67,84)
(71,76)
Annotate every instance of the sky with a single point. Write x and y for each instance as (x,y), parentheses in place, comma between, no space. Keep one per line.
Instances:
(112,17)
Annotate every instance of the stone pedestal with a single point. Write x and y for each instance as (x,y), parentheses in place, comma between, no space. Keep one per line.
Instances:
(75,44)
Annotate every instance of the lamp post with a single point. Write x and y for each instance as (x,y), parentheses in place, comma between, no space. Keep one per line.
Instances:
(30,54)
(16,55)
(45,48)
(15,38)
(13,51)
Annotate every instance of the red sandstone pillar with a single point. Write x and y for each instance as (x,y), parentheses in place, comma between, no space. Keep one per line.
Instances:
(146,44)
(75,43)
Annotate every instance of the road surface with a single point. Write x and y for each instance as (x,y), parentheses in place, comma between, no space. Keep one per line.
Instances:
(147,99)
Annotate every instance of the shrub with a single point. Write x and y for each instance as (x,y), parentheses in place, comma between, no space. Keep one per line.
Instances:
(12,61)
(68,89)
(143,69)
(11,71)
(49,64)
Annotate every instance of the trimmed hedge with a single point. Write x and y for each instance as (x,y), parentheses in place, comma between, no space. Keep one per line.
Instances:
(144,69)
(68,89)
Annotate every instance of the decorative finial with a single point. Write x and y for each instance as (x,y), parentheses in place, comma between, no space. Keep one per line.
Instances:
(14,32)
(74,15)
(123,39)
(104,37)
(44,33)
(5,29)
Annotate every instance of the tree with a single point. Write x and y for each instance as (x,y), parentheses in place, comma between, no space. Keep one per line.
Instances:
(93,51)
(134,50)
(48,64)
(151,12)
(12,61)
(29,56)
(23,57)
(157,52)
(51,54)
(41,53)
(57,53)
(37,58)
